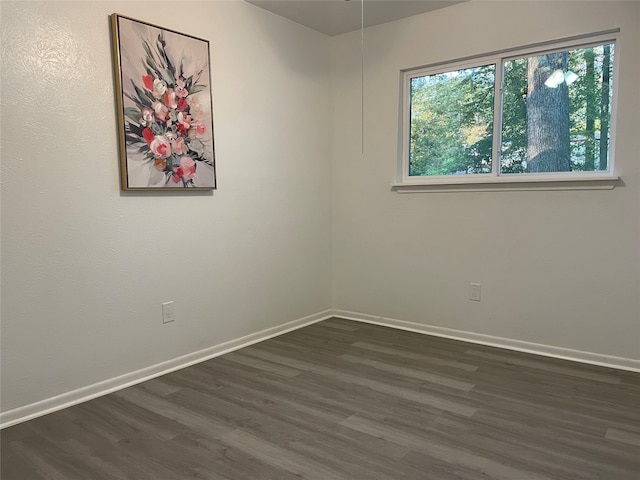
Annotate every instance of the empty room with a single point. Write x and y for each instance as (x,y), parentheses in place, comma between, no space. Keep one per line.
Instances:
(320,239)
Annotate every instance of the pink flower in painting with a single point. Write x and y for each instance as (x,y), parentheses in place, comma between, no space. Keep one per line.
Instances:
(148,82)
(177,173)
(181,90)
(201,128)
(188,167)
(182,104)
(184,119)
(170,99)
(147,116)
(162,112)
(160,146)
(179,147)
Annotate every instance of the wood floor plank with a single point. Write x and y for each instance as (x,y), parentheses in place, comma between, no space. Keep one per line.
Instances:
(165,408)
(16,465)
(313,397)
(546,366)
(280,457)
(346,400)
(435,449)
(158,387)
(286,421)
(416,356)
(623,436)
(218,458)
(412,373)
(262,365)
(48,461)
(419,397)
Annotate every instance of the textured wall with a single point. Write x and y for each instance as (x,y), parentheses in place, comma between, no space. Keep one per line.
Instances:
(559,268)
(84,267)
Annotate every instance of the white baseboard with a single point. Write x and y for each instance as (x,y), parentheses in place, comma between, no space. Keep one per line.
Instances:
(610,361)
(68,399)
(53,404)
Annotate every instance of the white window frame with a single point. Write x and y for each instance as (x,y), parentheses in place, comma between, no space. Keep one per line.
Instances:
(510,181)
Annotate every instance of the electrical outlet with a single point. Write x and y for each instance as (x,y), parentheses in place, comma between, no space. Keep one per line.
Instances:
(474,292)
(168,315)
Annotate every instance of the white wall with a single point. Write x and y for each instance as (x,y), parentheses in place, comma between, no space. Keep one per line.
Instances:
(558,268)
(84,267)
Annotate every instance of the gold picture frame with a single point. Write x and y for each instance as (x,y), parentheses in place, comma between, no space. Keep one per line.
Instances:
(165,107)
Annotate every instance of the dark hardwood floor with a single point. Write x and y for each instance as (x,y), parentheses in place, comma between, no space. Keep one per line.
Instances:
(341,400)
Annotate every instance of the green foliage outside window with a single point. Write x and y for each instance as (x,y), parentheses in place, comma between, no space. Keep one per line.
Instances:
(556,111)
(452,122)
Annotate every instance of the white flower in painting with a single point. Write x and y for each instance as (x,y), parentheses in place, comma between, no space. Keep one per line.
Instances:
(159,87)
(162,112)
(148,116)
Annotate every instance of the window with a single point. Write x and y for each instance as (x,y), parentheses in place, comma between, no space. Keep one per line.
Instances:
(540,113)
(452,121)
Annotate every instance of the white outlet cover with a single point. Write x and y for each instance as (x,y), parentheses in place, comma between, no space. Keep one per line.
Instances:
(474,291)
(167,312)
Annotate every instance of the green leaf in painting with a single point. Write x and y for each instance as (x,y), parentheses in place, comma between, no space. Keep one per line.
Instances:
(132,98)
(172,79)
(162,44)
(143,96)
(197,88)
(133,113)
(152,60)
(156,129)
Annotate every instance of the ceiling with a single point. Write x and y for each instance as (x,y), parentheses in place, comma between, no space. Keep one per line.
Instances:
(333,17)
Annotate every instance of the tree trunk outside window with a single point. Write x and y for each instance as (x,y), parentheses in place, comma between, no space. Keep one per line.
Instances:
(548,148)
(604,108)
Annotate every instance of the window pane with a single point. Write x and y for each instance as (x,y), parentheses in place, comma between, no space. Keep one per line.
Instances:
(451,120)
(557,110)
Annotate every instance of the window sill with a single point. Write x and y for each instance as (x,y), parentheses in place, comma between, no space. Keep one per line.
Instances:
(483,183)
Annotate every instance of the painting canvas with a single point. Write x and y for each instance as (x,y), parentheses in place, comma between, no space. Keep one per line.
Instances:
(165,107)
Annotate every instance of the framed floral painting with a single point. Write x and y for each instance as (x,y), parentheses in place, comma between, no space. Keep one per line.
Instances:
(165,107)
